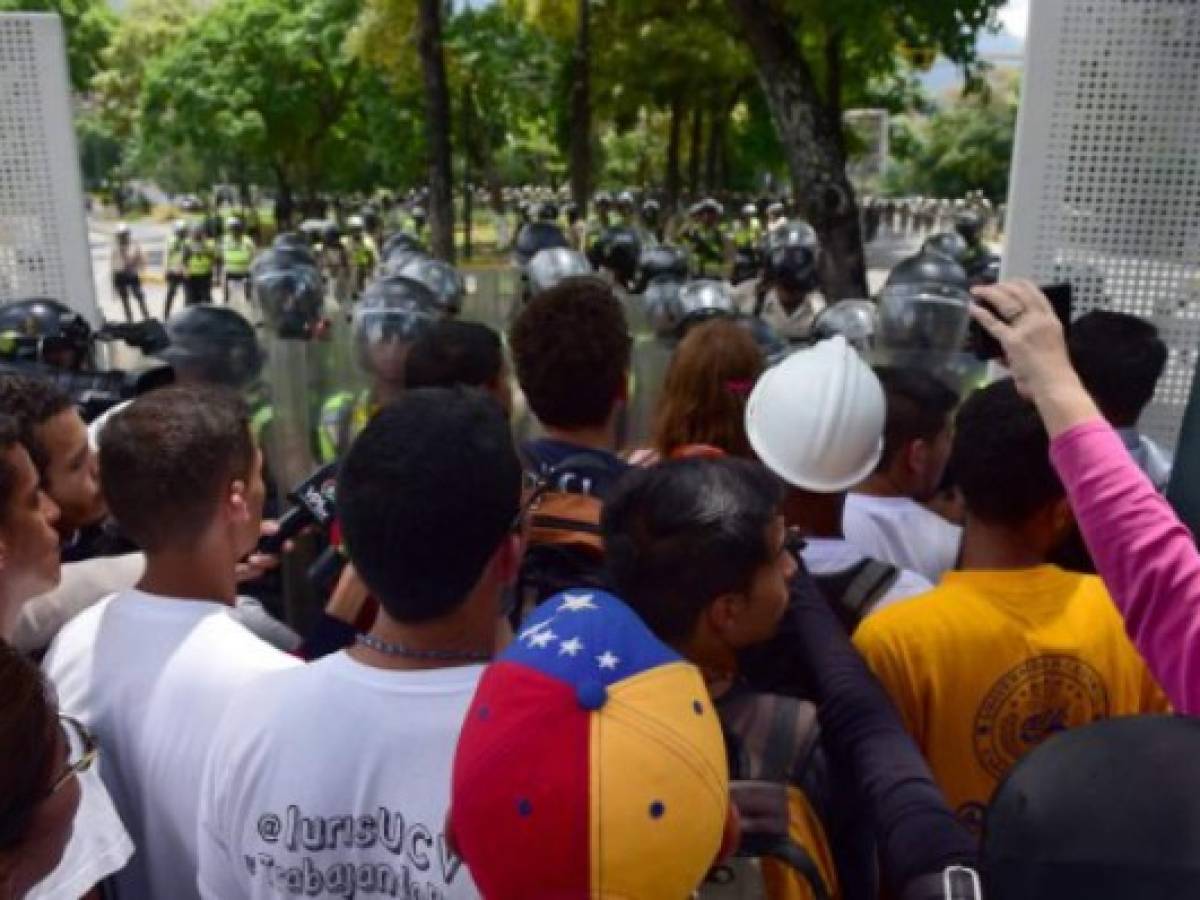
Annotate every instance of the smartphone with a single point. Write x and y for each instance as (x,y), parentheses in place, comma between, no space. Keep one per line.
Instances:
(986,348)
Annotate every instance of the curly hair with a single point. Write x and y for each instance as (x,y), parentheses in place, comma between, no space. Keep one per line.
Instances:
(705,392)
(571,348)
(32,402)
(1001,457)
(28,741)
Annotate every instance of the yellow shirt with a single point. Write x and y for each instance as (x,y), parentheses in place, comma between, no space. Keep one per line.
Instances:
(990,664)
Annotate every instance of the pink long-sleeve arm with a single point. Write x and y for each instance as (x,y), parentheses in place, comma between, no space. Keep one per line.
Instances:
(1145,555)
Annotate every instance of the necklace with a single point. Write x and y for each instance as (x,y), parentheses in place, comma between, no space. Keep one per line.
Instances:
(387,649)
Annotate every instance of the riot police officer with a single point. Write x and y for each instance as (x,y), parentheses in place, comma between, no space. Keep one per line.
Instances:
(237,255)
(363,254)
(176,271)
(787,295)
(391,314)
(199,261)
(710,252)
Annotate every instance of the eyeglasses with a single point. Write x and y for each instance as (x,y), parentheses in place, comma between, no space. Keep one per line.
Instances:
(533,487)
(82,751)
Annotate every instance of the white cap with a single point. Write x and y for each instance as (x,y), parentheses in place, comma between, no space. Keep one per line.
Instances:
(122,229)
(816,420)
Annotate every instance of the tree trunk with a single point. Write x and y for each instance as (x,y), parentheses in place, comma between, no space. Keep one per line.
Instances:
(468,191)
(672,179)
(581,110)
(810,130)
(437,129)
(696,151)
(716,137)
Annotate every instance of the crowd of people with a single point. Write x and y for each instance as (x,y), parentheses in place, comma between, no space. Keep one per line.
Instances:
(817,632)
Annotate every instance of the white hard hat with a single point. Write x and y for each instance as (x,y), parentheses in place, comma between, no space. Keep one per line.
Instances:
(816,420)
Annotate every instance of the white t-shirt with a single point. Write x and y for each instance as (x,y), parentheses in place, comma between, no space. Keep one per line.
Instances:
(99,845)
(151,677)
(900,531)
(833,556)
(333,777)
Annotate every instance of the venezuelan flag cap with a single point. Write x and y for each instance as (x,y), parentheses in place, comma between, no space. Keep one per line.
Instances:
(591,763)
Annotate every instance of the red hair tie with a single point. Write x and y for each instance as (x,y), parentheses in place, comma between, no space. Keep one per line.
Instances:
(740,388)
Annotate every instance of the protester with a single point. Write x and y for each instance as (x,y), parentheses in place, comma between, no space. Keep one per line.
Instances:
(29,566)
(571,348)
(428,497)
(590,764)
(41,758)
(1120,359)
(1030,649)
(697,548)
(1146,556)
(702,407)
(466,354)
(29,561)
(56,437)
(816,420)
(885,516)
(151,669)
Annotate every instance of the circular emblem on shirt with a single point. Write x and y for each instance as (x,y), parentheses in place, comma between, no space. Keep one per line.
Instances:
(1033,702)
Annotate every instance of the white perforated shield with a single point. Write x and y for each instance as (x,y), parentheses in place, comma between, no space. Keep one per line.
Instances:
(1106,175)
(43,226)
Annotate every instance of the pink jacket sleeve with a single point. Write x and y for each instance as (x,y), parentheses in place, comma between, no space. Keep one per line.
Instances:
(1145,555)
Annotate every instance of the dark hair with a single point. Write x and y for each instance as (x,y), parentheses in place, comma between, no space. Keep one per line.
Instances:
(704,395)
(425,495)
(31,402)
(166,458)
(1001,457)
(571,347)
(680,534)
(9,437)
(918,408)
(28,740)
(454,353)
(1119,358)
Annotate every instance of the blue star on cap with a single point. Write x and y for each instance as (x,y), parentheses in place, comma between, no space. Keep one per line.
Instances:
(589,639)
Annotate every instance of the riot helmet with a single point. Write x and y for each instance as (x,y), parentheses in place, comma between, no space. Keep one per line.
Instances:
(660,302)
(774,348)
(288,249)
(123,232)
(651,210)
(549,267)
(619,249)
(213,345)
(547,212)
(41,330)
(855,320)
(924,310)
(969,224)
(400,242)
(704,299)
(792,234)
(535,237)
(355,226)
(234,224)
(661,262)
(393,312)
(418,215)
(749,211)
(441,278)
(290,293)
(180,229)
(792,268)
(947,243)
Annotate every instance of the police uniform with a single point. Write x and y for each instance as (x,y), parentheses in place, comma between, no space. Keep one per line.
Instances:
(707,247)
(176,273)
(199,261)
(344,415)
(794,326)
(237,253)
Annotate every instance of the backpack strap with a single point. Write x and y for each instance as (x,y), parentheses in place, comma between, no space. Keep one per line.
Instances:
(763,811)
(854,592)
(872,581)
